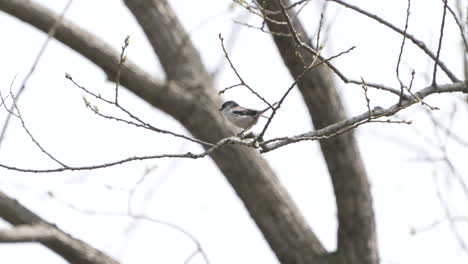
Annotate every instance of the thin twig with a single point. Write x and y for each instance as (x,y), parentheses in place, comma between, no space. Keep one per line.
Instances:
(298,78)
(140,123)
(448,215)
(242,82)
(439,46)
(50,35)
(417,42)
(460,26)
(140,217)
(9,111)
(351,123)
(322,16)
(431,226)
(262,29)
(31,136)
(188,155)
(402,86)
(254,11)
(271,144)
(364,87)
(122,60)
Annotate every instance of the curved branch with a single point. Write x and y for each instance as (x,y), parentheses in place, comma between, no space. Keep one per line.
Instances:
(417,42)
(71,249)
(267,201)
(345,125)
(179,58)
(357,241)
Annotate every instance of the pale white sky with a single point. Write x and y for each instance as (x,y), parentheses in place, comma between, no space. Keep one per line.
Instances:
(193,194)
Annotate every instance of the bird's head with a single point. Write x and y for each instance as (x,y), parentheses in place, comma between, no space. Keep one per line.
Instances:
(228,105)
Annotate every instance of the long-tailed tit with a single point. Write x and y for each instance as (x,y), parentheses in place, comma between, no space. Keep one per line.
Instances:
(241,117)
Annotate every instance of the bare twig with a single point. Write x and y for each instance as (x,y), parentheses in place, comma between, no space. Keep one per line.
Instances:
(431,226)
(439,46)
(448,215)
(122,60)
(448,131)
(314,52)
(364,87)
(140,217)
(9,111)
(242,82)
(460,26)
(262,29)
(298,78)
(50,35)
(415,96)
(188,155)
(297,4)
(402,86)
(380,87)
(231,41)
(30,134)
(347,125)
(302,8)
(417,42)
(254,10)
(139,122)
(322,16)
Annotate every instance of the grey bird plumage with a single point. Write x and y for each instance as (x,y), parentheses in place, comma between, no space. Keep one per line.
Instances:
(239,116)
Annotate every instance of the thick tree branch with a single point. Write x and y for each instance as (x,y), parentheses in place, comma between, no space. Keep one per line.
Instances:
(356,232)
(165,95)
(179,58)
(253,179)
(27,233)
(71,249)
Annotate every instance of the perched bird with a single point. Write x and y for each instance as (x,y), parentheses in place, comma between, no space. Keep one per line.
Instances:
(241,117)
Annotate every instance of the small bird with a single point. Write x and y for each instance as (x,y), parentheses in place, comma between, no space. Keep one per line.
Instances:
(241,117)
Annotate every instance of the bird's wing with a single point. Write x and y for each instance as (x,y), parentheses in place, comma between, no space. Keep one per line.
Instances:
(246,111)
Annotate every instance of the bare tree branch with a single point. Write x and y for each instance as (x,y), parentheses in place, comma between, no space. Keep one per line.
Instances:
(448,215)
(179,58)
(402,86)
(439,46)
(188,155)
(461,27)
(23,124)
(50,35)
(27,233)
(242,82)
(71,249)
(417,42)
(196,107)
(356,231)
(139,217)
(346,125)
(138,122)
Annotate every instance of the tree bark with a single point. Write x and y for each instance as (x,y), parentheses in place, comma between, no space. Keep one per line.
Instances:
(357,242)
(71,249)
(190,97)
